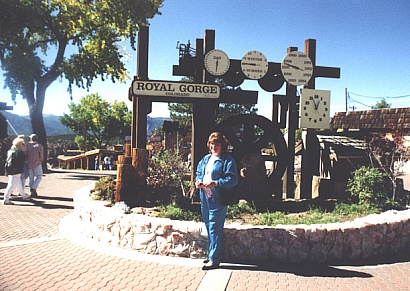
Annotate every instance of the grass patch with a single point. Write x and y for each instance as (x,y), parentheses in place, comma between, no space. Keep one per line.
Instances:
(245,213)
(315,215)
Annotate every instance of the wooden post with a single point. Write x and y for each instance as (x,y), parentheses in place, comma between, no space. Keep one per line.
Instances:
(127,150)
(288,179)
(140,166)
(124,183)
(309,162)
(141,107)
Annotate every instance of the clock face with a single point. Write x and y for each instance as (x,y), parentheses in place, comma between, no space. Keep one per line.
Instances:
(315,109)
(297,68)
(216,62)
(254,65)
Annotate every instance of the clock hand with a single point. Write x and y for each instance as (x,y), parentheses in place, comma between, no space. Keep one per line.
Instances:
(249,64)
(216,65)
(293,66)
(316,105)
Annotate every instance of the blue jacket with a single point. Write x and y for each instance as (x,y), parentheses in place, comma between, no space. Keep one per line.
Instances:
(224,172)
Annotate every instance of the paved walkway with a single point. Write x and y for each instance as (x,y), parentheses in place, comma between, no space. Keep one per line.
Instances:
(40,250)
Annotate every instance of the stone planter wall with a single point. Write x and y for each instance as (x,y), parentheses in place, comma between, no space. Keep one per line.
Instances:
(365,238)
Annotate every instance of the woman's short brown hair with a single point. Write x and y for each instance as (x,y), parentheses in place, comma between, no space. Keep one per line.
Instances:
(217,137)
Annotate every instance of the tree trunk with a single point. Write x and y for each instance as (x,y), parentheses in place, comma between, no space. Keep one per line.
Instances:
(35,104)
(394,190)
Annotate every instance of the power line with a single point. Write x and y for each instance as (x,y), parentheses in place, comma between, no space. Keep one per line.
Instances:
(381,97)
(350,99)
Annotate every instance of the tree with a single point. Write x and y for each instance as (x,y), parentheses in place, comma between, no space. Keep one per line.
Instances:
(382,104)
(97,122)
(391,151)
(81,38)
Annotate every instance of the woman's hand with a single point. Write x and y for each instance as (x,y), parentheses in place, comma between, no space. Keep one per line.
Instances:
(211,184)
(199,184)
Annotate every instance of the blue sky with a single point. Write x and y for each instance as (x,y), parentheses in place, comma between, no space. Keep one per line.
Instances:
(368,40)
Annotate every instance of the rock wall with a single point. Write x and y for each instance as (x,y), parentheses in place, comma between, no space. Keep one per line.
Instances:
(369,237)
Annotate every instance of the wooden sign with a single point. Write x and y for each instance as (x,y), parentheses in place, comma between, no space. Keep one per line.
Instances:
(175,89)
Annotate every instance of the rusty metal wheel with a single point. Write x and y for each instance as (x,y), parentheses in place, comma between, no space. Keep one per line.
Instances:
(250,133)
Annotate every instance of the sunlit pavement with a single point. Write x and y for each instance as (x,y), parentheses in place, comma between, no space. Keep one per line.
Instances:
(41,250)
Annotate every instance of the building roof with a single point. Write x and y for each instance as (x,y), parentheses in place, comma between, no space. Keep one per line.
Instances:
(343,141)
(372,119)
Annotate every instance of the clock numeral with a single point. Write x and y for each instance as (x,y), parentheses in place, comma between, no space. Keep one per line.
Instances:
(307,102)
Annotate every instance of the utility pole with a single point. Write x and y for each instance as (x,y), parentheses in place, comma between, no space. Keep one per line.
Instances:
(346,97)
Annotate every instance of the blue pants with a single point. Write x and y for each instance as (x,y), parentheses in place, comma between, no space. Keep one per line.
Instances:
(35,176)
(213,214)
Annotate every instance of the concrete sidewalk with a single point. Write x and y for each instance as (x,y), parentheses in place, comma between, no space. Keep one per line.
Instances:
(40,250)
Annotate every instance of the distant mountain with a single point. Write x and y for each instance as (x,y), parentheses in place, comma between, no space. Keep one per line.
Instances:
(22,124)
(154,122)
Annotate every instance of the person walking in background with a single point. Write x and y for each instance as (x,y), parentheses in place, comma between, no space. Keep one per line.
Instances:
(216,170)
(13,169)
(107,163)
(35,154)
(111,162)
(24,174)
(97,164)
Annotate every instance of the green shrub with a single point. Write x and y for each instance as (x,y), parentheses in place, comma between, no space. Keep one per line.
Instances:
(165,168)
(174,211)
(104,189)
(367,184)
(240,209)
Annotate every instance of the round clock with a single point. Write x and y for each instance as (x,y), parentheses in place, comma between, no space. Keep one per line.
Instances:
(254,65)
(297,68)
(216,62)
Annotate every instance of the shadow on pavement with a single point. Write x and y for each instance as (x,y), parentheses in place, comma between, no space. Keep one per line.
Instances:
(401,257)
(65,199)
(325,270)
(39,203)
(305,270)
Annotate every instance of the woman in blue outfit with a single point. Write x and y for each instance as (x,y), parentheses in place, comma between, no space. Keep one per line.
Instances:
(216,170)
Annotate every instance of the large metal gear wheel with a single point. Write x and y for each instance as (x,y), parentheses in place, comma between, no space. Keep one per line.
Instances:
(249,134)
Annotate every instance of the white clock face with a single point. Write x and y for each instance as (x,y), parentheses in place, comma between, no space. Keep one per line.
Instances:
(315,109)
(254,65)
(297,68)
(216,62)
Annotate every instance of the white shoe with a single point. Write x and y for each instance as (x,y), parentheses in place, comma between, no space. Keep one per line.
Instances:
(25,196)
(7,202)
